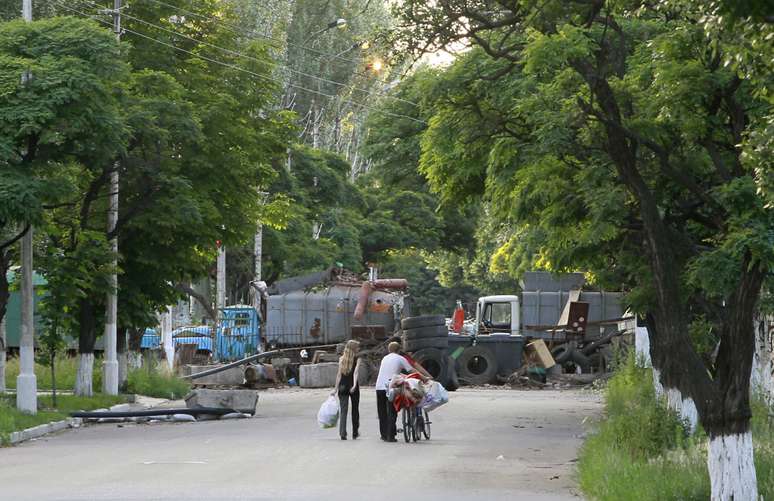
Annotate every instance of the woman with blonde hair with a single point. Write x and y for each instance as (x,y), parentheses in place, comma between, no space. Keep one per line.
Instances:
(348,389)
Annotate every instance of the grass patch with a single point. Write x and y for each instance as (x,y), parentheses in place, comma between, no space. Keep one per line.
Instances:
(66,369)
(159,383)
(12,420)
(640,450)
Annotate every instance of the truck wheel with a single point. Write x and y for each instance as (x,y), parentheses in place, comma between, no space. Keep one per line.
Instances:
(440,342)
(451,383)
(422,321)
(434,362)
(425,332)
(477,365)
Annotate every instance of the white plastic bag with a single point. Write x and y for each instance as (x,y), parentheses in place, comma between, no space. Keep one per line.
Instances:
(435,397)
(328,415)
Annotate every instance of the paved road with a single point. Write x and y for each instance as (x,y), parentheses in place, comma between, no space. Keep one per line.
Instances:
(486,445)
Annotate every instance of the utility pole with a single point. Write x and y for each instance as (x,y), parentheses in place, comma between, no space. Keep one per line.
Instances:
(220,294)
(26,383)
(258,251)
(110,363)
(221,278)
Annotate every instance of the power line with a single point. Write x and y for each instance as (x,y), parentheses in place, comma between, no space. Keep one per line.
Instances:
(279,44)
(238,32)
(236,53)
(244,70)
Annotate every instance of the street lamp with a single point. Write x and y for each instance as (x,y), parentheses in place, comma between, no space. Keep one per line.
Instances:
(338,23)
(364,45)
(376,65)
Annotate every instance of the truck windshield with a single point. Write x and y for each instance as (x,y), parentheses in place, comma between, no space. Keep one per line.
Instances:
(498,315)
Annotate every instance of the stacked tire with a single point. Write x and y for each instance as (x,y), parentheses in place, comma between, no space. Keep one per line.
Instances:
(427,338)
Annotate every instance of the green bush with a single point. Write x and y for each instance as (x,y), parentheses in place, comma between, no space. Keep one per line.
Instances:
(66,369)
(156,383)
(640,450)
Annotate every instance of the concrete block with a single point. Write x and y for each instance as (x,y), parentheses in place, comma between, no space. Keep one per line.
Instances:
(229,377)
(241,400)
(318,375)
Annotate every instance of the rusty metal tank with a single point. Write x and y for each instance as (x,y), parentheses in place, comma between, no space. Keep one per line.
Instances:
(326,315)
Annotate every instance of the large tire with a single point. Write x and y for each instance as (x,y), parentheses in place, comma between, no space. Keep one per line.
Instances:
(451,383)
(478,365)
(440,342)
(570,358)
(434,362)
(423,332)
(422,321)
(561,353)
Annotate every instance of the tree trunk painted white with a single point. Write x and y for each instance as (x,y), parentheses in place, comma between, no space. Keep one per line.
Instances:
(642,347)
(133,360)
(731,468)
(83,378)
(684,407)
(166,338)
(762,375)
(658,388)
(2,355)
(123,367)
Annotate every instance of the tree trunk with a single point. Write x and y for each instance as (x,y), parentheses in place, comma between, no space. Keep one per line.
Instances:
(731,467)
(4,295)
(53,378)
(134,356)
(86,339)
(761,380)
(2,354)
(121,353)
(727,417)
(83,378)
(723,402)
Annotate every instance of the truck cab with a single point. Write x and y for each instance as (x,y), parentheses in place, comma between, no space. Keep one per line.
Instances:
(498,314)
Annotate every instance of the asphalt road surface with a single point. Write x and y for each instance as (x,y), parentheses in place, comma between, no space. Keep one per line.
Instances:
(486,444)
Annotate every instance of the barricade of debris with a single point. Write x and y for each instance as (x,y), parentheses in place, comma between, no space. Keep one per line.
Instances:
(539,371)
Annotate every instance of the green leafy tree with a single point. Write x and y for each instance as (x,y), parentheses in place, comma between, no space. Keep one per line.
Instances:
(607,135)
(60,127)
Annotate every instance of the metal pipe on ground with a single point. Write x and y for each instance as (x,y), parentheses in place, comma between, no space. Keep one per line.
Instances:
(148,413)
(253,357)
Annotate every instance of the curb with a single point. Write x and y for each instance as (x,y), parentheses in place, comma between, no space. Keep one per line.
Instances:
(18,437)
(44,429)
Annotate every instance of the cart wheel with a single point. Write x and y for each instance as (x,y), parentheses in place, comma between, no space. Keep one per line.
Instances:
(407,425)
(425,424)
(414,425)
(420,424)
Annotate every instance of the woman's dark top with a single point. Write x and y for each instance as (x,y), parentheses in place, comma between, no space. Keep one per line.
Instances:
(347,381)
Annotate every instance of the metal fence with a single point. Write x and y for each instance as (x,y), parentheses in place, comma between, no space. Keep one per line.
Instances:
(277,337)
